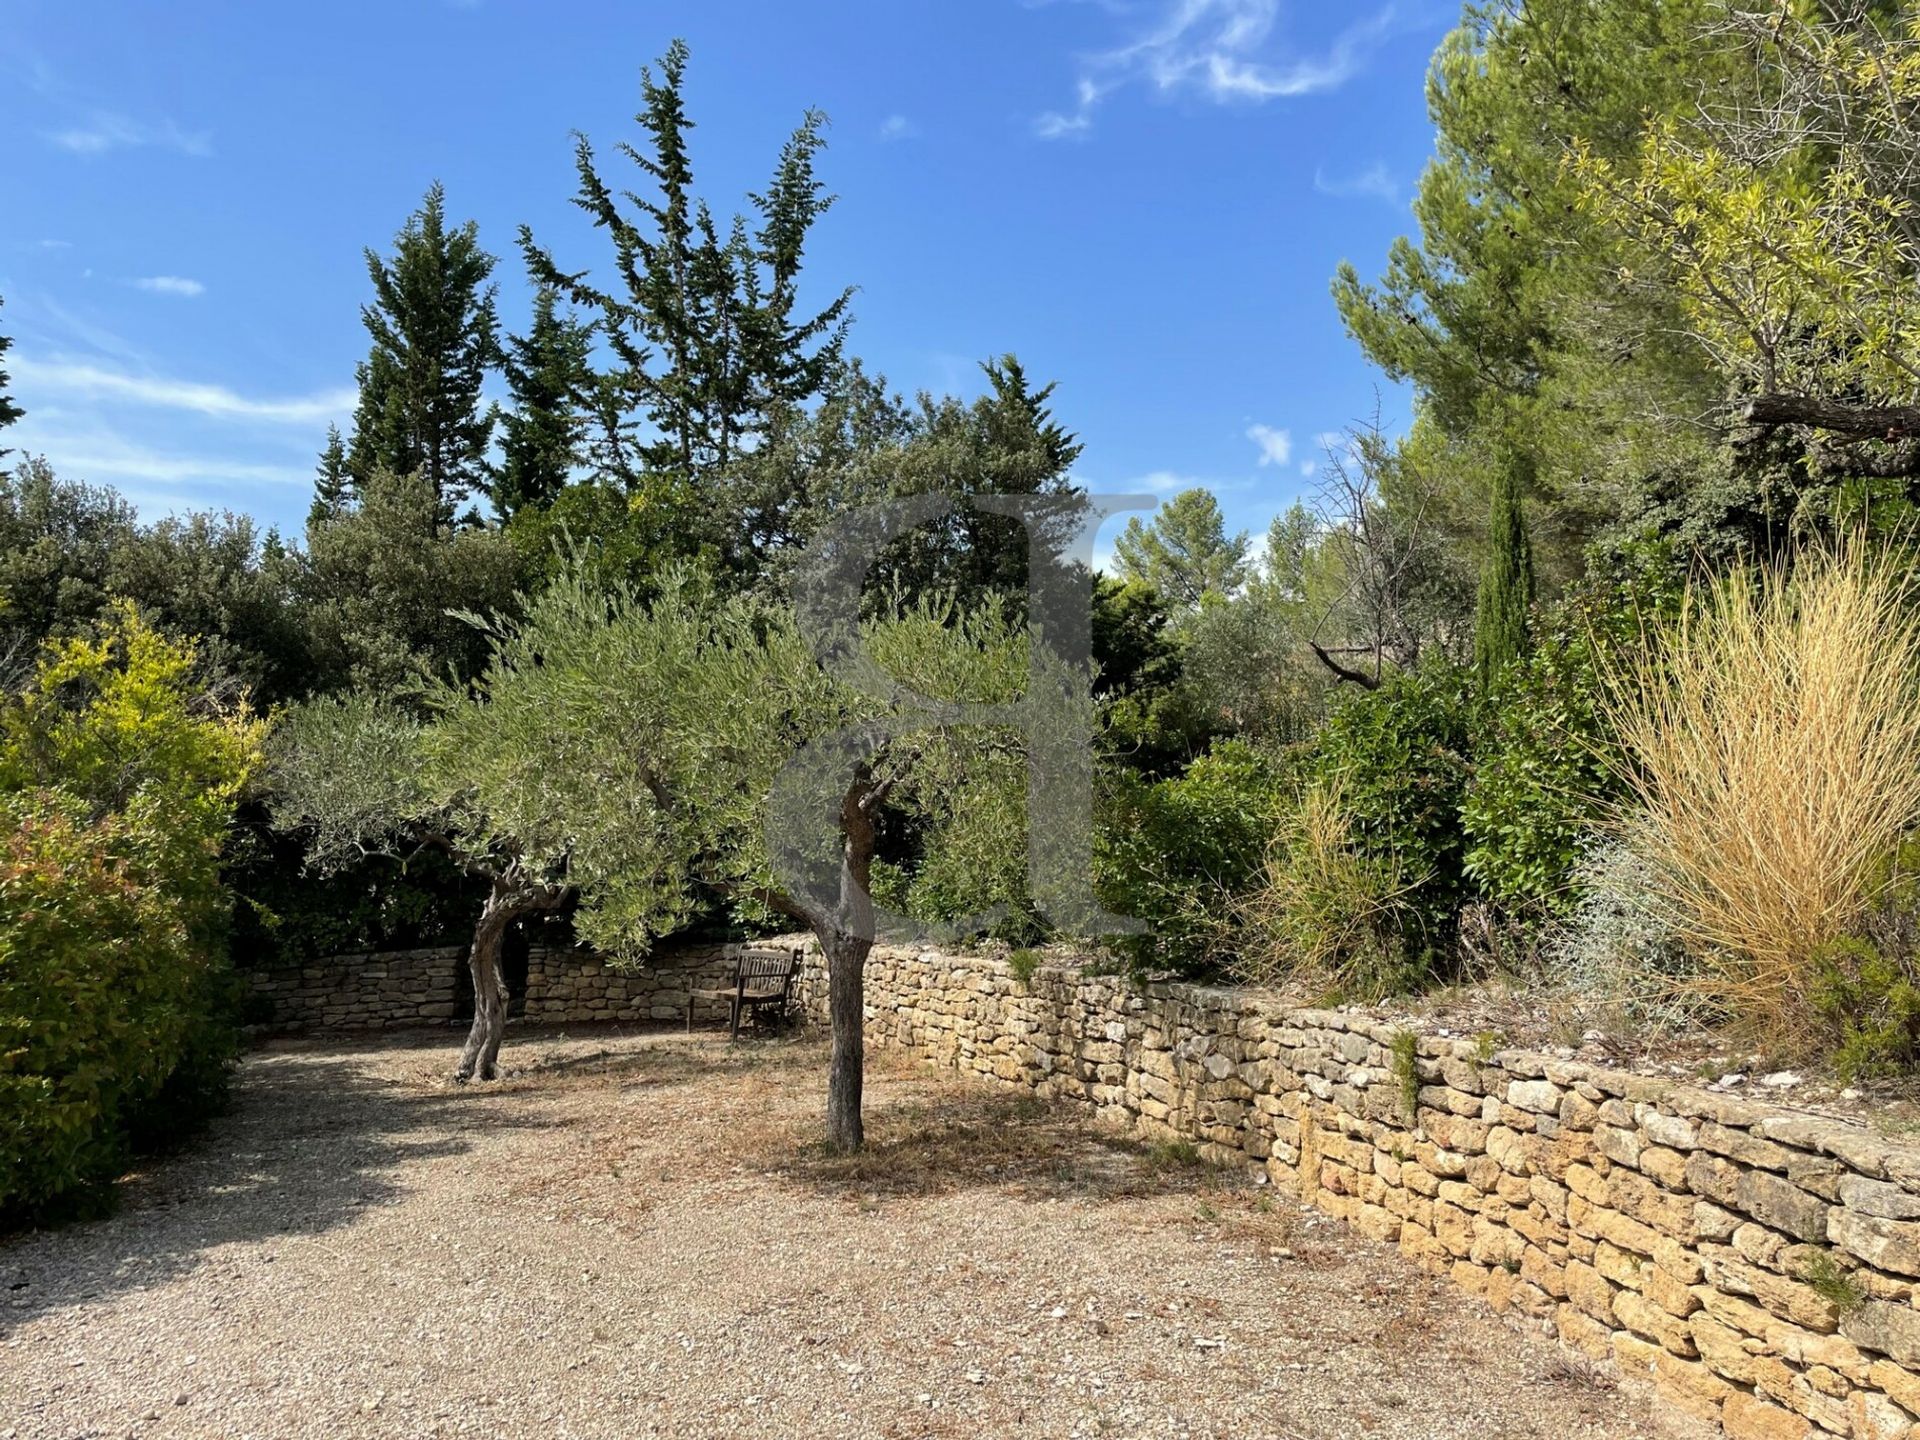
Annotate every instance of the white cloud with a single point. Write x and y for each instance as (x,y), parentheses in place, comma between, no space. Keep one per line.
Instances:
(1276,446)
(1161,482)
(106,130)
(93,453)
(96,383)
(1221,50)
(898,127)
(1375,182)
(171,285)
(1308,467)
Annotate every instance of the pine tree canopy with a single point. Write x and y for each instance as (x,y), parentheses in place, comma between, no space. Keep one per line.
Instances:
(709,348)
(435,337)
(548,373)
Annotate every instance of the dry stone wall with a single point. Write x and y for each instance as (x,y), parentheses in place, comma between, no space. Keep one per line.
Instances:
(390,990)
(1758,1265)
(563,985)
(571,984)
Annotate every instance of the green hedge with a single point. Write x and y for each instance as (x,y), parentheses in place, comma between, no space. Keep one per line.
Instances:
(117,784)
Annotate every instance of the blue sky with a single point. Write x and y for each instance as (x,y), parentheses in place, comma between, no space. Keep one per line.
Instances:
(1143,199)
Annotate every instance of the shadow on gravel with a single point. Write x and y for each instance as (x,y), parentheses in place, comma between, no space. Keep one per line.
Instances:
(312,1142)
(973,1138)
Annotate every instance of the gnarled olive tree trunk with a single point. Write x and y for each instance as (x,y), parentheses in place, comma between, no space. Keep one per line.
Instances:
(507,901)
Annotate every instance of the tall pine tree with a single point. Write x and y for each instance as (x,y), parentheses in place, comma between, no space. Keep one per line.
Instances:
(332,482)
(435,335)
(9,412)
(1506,584)
(548,373)
(709,348)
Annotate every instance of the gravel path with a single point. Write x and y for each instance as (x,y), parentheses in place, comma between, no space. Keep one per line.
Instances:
(634,1234)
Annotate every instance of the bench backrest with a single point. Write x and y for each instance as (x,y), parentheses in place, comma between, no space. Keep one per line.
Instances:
(764,972)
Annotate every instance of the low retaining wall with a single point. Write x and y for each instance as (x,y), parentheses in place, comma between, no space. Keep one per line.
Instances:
(563,985)
(384,991)
(1757,1264)
(572,985)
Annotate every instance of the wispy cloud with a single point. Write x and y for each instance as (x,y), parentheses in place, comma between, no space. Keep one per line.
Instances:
(171,285)
(1221,50)
(95,455)
(94,382)
(1275,445)
(898,127)
(106,130)
(1375,182)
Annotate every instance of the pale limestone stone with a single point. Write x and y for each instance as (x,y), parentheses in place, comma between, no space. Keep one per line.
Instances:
(1888,1244)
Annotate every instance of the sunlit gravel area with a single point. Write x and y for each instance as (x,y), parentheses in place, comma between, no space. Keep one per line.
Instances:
(637,1234)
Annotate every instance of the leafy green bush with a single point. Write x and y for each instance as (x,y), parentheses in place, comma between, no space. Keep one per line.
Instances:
(1545,759)
(1174,852)
(117,783)
(1872,1003)
(1398,757)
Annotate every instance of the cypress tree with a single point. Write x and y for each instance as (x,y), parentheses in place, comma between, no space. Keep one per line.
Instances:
(1506,583)
(435,335)
(547,373)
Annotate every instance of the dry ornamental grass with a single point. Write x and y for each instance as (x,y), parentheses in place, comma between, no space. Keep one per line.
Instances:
(1774,764)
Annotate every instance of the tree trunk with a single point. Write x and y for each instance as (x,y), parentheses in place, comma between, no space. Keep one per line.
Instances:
(489,985)
(846,965)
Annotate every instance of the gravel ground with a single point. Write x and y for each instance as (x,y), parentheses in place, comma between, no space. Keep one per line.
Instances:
(635,1234)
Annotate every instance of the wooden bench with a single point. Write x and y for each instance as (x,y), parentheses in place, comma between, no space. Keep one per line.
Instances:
(762,985)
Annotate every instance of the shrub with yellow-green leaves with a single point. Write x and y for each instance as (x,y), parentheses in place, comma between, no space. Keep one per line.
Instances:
(118,781)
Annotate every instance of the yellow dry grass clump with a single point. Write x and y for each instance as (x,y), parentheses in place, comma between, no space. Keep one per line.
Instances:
(1774,762)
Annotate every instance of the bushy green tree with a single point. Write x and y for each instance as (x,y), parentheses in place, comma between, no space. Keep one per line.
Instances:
(543,430)
(1528,330)
(1176,852)
(383,583)
(332,480)
(1399,760)
(68,550)
(1546,763)
(1184,551)
(631,749)
(435,337)
(118,781)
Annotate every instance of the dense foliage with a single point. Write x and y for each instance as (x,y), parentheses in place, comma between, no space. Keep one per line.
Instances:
(118,781)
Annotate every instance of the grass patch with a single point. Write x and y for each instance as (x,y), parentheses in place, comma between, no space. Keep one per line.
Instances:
(1406,1070)
(1025,964)
(1174,1155)
(1823,1275)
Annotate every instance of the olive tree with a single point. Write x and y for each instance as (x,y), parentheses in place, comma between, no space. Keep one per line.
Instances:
(639,752)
